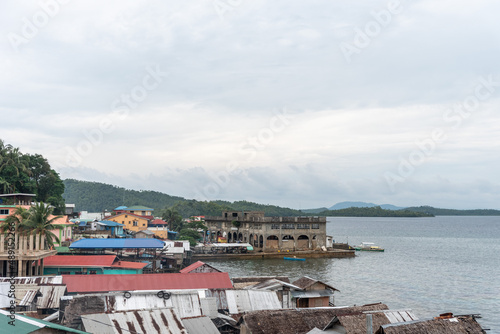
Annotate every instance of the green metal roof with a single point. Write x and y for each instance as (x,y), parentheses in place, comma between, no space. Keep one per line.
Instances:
(24,325)
(139,208)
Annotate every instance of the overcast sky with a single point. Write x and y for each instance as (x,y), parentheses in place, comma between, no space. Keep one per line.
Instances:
(300,104)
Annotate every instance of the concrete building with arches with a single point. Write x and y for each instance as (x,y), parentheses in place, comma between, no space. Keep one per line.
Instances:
(268,233)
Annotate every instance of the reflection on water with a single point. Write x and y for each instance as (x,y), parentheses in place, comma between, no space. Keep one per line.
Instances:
(430,265)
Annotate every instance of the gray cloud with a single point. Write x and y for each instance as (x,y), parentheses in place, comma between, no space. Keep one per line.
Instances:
(227,79)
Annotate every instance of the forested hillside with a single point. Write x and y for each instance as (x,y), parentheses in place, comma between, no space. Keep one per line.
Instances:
(376,211)
(96,197)
(452,212)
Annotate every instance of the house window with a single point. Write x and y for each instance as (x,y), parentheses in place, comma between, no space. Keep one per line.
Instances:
(315,226)
(143,224)
(126,216)
(4,211)
(288,226)
(135,223)
(143,213)
(93,272)
(275,226)
(302,226)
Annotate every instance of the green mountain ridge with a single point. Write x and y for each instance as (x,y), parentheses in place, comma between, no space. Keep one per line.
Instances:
(97,197)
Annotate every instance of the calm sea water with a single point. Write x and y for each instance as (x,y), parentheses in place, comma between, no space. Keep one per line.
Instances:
(430,265)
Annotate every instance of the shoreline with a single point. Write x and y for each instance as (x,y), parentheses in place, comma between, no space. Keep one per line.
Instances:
(335,253)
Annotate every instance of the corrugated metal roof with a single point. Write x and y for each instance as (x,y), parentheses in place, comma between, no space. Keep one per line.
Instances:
(109,223)
(51,295)
(311,294)
(139,208)
(117,243)
(143,322)
(273,284)
(200,325)
(129,264)
(27,296)
(129,282)
(395,316)
(26,324)
(239,301)
(192,267)
(187,304)
(79,260)
(35,280)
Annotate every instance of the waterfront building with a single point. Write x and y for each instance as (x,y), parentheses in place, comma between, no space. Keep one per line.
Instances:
(27,249)
(268,233)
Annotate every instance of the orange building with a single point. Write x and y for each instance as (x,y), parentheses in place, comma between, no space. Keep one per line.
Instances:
(130,221)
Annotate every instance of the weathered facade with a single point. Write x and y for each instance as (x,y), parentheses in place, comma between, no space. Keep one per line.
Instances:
(268,233)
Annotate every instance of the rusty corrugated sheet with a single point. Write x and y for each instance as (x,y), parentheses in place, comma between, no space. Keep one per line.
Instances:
(186,303)
(200,325)
(220,296)
(239,301)
(139,321)
(28,298)
(51,295)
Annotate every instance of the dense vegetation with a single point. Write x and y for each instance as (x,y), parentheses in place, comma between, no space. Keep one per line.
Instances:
(452,212)
(97,197)
(376,211)
(30,173)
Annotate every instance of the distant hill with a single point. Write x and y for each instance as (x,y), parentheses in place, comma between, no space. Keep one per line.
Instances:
(453,212)
(345,205)
(313,211)
(97,197)
(375,211)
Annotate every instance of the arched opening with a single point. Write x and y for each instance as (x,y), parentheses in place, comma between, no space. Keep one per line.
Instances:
(287,242)
(240,237)
(272,241)
(261,242)
(235,237)
(230,237)
(303,242)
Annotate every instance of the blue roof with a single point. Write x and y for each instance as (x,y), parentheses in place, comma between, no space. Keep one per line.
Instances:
(82,224)
(110,223)
(117,243)
(121,207)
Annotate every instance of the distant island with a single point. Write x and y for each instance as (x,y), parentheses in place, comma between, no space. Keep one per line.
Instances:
(375,211)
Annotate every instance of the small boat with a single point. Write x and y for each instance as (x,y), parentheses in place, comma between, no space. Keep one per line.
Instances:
(294,258)
(368,246)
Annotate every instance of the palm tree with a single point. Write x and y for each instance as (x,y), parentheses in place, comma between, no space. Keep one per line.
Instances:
(41,223)
(173,218)
(18,218)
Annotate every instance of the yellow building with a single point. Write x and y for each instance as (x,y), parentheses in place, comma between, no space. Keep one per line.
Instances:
(130,221)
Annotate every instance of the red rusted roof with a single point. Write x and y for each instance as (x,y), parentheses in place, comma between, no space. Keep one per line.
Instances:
(128,265)
(129,282)
(79,261)
(158,221)
(191,267)
(90,261)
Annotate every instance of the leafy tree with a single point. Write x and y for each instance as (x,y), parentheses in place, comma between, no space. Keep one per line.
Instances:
(189,234)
